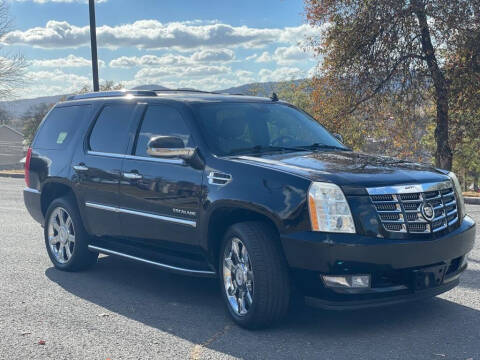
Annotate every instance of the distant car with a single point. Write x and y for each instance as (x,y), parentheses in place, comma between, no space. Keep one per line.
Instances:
(251,190)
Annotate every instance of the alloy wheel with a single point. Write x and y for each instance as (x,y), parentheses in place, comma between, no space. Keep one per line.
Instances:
(238,277)
(61,235)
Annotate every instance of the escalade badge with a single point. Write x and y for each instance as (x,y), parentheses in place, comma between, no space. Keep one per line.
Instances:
(428,211)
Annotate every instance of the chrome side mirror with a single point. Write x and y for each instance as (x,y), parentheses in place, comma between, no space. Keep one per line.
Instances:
(169,147)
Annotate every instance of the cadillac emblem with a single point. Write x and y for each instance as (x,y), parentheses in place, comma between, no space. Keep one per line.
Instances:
(428,212)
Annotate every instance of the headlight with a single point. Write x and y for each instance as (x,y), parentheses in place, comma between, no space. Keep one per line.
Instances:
(458,190)
(329,210)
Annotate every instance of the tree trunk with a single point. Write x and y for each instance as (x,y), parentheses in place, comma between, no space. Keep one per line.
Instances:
(443,154)
(476,177)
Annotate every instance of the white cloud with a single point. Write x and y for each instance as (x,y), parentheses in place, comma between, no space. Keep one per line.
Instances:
(288,55)
(213,55)
(280,74)
(264,57)
(178,72)
(68,61)
(285,55)
(53,82)
(56,75)
(210,56)
(251,57)
(152,34)
(148,60)
(244,76)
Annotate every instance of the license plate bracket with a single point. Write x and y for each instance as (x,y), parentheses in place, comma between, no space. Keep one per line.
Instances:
(428,277)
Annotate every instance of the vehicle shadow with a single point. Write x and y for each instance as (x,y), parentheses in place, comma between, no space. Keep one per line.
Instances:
(192,308)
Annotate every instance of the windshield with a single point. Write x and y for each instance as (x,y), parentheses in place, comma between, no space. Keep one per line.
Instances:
(239,128)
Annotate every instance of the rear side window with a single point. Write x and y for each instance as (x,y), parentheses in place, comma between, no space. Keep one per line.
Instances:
(60,126)
(110,132)
(161,120)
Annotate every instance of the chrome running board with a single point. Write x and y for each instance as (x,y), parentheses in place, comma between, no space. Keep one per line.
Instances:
(155,263)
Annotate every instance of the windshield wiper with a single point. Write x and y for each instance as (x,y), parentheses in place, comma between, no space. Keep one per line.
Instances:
(323,146)
(262,149)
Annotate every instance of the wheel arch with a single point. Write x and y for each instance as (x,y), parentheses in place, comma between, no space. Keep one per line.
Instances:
(54,190)
(225,215)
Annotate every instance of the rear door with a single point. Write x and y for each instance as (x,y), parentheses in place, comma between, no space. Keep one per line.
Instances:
(160,198)
(98,167)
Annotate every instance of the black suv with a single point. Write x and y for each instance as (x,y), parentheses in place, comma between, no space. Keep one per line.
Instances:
(252,190)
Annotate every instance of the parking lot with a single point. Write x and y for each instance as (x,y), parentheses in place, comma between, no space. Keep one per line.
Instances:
(125,310)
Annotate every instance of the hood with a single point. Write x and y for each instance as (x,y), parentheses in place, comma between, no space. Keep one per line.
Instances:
(348,168)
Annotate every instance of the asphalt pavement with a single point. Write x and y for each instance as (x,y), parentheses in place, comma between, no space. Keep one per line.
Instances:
(125,310)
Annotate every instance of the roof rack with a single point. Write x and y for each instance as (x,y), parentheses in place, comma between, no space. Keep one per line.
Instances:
(116,93)
(186,90)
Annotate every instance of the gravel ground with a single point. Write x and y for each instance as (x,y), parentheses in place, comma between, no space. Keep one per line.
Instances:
(124,310)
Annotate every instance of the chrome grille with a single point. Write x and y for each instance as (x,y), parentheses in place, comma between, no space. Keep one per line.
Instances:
(404,209)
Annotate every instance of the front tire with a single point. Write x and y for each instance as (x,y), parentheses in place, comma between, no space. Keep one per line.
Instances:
(65,237)
(253,275)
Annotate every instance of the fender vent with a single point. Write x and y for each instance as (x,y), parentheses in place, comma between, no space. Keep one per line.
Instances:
(218,178)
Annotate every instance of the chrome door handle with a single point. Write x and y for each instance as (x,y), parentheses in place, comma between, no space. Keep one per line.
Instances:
(132,176)
(80,167)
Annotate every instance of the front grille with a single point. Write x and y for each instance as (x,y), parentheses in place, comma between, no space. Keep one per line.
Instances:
(403,209)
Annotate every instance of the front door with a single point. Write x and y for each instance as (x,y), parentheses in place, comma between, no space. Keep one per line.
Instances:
(160,198)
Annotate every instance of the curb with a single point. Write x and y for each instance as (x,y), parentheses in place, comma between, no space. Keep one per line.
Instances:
(16,176)
(472,200)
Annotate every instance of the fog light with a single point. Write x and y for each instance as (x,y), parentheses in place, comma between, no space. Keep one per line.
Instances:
(347,281)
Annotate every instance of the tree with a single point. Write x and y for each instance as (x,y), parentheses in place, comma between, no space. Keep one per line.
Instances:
(32,119)
(375,48)
(12,67)
(296,92)
(107,85)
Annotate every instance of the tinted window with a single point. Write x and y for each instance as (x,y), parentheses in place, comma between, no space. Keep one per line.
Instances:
(230,128)
(60,126)
(110,133)
(161,120)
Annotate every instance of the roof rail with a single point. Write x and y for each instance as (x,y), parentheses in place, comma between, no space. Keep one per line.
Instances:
(186,90)
(115,93)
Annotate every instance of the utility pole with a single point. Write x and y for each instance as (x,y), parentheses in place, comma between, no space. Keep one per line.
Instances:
(93,40)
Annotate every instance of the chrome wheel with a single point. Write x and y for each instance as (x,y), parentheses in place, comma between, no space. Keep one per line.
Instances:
(238,276)
(61,235)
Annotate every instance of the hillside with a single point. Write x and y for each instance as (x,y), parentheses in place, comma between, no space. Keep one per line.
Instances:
(19,107)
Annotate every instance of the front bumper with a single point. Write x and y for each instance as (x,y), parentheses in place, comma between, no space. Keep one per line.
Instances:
(394,265)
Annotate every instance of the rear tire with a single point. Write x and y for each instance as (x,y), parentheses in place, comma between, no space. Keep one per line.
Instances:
(66,239)
(254,277)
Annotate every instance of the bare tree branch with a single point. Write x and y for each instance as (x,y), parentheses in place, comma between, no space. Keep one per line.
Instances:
(12,67)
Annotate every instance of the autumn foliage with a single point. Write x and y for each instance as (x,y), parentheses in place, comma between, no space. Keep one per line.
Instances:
(400,73)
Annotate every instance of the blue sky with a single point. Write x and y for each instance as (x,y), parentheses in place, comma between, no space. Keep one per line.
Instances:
(203,44)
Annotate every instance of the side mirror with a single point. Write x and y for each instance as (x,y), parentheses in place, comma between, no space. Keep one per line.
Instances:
(339,137)
(169,147)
